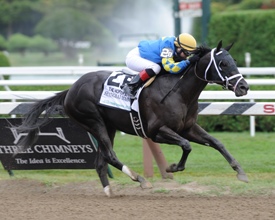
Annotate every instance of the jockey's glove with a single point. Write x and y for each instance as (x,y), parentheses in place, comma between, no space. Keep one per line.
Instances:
(195,58)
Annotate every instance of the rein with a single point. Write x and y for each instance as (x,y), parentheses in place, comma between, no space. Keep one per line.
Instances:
(172,89)
(223,79)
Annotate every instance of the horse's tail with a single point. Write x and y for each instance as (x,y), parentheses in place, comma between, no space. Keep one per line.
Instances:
(32,120)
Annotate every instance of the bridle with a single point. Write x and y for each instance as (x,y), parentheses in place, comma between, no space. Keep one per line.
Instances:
(225,81)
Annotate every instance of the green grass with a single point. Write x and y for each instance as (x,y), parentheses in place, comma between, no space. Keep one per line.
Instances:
(204,166)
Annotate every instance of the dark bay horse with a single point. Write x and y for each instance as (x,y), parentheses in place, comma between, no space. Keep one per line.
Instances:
(168,109)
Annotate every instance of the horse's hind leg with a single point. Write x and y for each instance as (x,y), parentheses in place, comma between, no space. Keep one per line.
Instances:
(102,169)
(97,128)
(198,135)
(102,166)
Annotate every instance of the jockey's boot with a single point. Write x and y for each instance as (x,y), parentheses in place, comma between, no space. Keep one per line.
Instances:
(132,87)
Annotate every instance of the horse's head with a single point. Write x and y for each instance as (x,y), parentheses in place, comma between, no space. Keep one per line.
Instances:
(220,68)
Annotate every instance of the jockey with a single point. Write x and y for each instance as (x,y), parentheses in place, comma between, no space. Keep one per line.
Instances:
(170,52)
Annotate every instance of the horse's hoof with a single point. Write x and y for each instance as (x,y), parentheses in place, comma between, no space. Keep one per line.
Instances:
(108,191)
(146,185)
(181,168)
(242,177)
(174,168)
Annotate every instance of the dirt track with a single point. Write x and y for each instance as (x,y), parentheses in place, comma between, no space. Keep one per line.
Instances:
(25,199)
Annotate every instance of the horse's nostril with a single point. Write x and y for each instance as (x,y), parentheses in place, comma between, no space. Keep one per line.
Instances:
(244,88)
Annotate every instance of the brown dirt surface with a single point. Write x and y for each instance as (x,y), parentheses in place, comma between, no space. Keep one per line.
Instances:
(27,199)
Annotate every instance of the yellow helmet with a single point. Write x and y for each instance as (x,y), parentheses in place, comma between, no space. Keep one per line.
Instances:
(186,41)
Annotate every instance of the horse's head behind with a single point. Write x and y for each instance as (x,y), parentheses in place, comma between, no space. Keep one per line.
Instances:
(220,68)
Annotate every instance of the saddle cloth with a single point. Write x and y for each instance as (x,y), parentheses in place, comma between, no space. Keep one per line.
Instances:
(113,96)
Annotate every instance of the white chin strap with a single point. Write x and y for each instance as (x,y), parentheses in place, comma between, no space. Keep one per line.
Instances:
(223,79)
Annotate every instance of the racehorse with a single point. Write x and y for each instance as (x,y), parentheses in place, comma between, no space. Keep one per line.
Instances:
(168,111)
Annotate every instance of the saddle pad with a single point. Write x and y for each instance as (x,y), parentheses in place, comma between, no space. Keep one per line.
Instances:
(112,94)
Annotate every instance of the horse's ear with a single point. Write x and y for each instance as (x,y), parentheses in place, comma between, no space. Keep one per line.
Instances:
(219,46)
(229,47)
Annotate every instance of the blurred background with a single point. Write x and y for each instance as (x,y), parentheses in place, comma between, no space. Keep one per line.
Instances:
(94,32)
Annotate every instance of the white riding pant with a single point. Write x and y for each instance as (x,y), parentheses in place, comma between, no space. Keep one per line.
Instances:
(137,63)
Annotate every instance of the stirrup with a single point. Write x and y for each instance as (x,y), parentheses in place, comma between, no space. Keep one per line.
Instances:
(129,92)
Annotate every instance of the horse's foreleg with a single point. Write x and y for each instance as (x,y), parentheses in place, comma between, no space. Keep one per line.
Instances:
(198,135)
(168,136)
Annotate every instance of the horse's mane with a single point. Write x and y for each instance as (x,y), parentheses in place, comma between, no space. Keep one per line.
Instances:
(201,50)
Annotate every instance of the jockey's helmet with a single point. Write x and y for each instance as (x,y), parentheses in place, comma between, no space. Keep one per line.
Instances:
(186,41)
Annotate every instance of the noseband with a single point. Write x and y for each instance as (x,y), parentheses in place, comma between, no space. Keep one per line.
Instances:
(224,80)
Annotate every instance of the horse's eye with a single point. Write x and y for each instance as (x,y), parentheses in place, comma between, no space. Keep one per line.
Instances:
(221,65)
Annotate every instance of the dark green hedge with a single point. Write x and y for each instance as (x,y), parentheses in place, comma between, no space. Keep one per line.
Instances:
(251,30)
(237,123)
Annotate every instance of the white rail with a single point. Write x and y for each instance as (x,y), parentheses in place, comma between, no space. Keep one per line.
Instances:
(67,75)
(257,70)
(41,82)
(55,70)
(26,95)
(213,108)
(227,95)
(65,82)
(80,70)
(205,95)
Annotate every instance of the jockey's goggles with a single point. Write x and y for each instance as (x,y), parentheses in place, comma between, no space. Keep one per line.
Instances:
(186,52)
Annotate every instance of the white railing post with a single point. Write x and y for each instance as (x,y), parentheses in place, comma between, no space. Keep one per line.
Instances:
(252,123)
(247,56)
(7,88)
